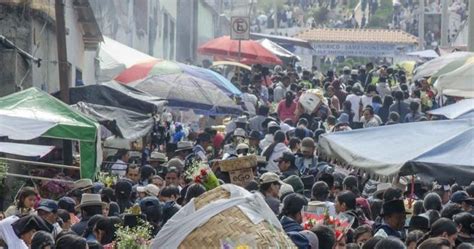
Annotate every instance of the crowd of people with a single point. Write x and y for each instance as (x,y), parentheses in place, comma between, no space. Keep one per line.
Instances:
(290,175)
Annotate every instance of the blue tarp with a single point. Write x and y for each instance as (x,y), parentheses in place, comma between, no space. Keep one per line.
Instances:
(460,110)
(436,150)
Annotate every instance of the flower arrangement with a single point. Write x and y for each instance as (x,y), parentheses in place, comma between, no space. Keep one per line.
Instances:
(340,224)
(137,237)
(201,173)
(107,179)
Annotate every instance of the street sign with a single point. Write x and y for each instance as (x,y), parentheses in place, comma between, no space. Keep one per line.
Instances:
(240,28)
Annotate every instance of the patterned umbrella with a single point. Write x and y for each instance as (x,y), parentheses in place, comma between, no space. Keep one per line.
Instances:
(164,67)
(184,91)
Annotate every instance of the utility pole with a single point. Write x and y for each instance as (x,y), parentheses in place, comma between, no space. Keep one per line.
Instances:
(444,23)
(275,17)
(421,25)
(62,51)
(63,70)
(470,37)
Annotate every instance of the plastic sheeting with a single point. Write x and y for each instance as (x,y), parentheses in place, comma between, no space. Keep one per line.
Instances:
(39,106)
(429,53)
(437,150)
(277,49)
(27,150)
(445,63)
(17,128)
(459,82)
(114,57)
(123,123)
(117,95)
(188,218)
(459,110)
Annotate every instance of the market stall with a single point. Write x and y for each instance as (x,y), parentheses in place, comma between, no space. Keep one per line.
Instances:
(33,113)
(437,150)
(460,110)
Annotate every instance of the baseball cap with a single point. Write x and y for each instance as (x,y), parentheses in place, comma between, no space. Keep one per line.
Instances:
(460,197)
(48,206)
(270,177)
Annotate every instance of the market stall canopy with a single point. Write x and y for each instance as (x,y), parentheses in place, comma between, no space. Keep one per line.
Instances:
(436,150)
(122,123)
(442,65)
(39,107)
(17,128)
(429,53)
(26,150)
(277,49)
(114,57)
(282,40)
(189,93)
(224,47)
(459,110)
(164,68)
(117,95)
(459,82)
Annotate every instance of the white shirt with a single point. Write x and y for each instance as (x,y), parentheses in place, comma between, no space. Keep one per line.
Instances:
(8,235)
(118,168)
(355,101)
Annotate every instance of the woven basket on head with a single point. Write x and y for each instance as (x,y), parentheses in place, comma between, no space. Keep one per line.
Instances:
(232,224)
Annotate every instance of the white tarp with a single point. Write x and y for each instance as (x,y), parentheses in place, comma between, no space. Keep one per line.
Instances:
(460,109)
(18,128)
(433,66)
(114,57)
(277,49)
(27,150)
(429,53)
(459,82)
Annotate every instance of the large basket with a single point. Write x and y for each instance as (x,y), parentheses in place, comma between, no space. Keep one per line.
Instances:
(232,224)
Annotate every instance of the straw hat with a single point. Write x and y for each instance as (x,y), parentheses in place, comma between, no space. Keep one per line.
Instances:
(91,200)
(158,156)
(83,184)
(184,145)
(152,190)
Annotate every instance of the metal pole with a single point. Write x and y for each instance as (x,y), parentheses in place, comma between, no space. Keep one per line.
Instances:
(421,25)
(40,163)
(275,18)
(470,37)
(238,68)
(444,23)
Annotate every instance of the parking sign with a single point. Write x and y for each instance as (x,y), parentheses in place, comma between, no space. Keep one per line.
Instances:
(240,28)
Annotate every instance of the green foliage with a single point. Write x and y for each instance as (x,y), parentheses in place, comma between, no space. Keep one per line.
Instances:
(320,15)
(383,15)
(134,238)
(266,5)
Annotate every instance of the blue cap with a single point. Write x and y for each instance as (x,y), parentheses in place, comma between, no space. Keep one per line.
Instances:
(48,206)
(67,203)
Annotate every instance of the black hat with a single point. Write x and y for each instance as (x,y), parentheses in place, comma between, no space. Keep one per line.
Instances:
(393,207)
(255,135)
(27,223)
(418,222)
(286,156)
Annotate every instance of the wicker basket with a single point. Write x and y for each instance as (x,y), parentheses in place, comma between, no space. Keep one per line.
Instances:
(232,224)
(244,162)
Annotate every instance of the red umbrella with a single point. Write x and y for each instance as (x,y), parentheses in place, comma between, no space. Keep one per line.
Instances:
(227,48)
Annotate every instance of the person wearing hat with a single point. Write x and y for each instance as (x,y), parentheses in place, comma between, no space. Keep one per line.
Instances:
(157,159)
(184,148)
(291,213)
(26,226)
(270,188)
(203,141)
(238,137)
(342,123)
(394,216)
(419,222)
(91,204)
(69,204)
(47,210)
(274,151)
(286,164)
(148,190)
(296,182)
(272,127)
(254,140)
(242,149)
(320,197)
(308,160)
(85,185)
(346,75)
(463,199)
